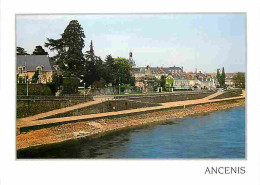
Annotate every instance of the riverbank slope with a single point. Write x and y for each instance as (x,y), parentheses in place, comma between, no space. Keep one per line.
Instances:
(102,126)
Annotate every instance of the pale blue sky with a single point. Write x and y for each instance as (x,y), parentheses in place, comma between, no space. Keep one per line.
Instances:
(202,41)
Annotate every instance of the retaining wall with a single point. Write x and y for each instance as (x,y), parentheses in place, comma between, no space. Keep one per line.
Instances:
(229,93)
(163,98)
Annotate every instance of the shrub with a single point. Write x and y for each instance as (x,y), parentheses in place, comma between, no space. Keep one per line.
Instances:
(70,85)
(122,88)
(53,87)
(34,89)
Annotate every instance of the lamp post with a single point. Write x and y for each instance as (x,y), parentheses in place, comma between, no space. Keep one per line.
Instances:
(118,88)
(84,90)
(27,86)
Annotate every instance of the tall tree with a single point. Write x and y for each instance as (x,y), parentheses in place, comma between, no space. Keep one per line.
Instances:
(93,67)
(223,77)
(69,47)
(123,71)
(218,76)
(20,51)
(109,72)
(39,51)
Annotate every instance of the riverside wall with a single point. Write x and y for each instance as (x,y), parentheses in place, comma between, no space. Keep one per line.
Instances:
(229,93)
(170,97)
(98,127)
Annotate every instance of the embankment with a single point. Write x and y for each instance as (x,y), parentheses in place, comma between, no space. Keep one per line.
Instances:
(98,127)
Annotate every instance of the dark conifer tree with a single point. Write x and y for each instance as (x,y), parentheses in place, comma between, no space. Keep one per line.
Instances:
(223,77)
(39,51)
(218,77)
(93,67)
(69,47)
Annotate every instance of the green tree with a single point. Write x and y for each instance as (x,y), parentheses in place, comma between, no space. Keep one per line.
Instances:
(93,68)
(109,72)
(223,78)
(218,77)
(163,82)
(169,81)
(35,77)
(39,51)
(21,51)
(239,80)
(123,69)
(69,49)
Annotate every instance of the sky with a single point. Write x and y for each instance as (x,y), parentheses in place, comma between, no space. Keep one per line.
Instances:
(202,41)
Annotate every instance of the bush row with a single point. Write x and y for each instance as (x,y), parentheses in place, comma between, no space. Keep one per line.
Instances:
(34,89)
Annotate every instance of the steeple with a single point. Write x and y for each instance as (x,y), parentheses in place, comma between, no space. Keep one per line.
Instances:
(131,60)
(91,51)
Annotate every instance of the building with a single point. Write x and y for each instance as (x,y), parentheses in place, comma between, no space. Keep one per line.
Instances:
(27,65)
(229,79)
(176,78)
(156,71)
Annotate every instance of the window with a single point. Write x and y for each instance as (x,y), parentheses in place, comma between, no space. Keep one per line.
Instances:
(39,69)
(21,69)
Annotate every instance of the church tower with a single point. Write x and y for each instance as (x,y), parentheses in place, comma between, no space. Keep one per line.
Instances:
(131,60)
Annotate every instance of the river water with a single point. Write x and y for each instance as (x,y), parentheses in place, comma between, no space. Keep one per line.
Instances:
(218,134)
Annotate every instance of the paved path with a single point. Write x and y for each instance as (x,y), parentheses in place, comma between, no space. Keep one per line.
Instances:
(58,111)
(124,112)
(213,95)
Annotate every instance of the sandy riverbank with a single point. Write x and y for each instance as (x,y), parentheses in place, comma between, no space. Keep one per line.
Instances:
(102,126)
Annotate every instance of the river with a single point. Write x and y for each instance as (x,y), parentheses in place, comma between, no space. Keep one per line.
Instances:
(219,134)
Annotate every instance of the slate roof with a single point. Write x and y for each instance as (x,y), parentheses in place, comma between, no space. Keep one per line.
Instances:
(32,61)
(158,70)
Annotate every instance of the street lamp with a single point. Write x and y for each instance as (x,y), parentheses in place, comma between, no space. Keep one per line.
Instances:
(84,90)
(118,88)
(27,80)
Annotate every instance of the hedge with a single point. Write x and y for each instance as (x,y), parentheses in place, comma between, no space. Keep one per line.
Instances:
(70,85)
(34,89)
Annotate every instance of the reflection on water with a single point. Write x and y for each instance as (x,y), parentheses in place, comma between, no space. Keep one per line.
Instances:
(216,135)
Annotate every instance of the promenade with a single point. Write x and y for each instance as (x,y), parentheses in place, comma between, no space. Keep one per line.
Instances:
(32,121)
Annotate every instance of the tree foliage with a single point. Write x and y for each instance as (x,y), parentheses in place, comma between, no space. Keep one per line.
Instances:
(123,69)
(35,77)
(239,80)
(93,67)
(39,51)
(169,81)
(21,51)
(110,70)
(163,82)
(69,48)
(221,77)
(218,76)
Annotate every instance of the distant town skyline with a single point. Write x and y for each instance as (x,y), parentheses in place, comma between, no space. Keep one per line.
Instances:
(202,41)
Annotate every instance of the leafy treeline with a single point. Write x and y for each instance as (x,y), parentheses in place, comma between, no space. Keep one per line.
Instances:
(239,80)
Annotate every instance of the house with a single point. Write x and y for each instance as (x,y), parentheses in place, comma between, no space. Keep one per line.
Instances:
(229,79)
(27,65)
(156,72)
(181,83)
